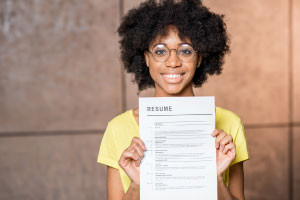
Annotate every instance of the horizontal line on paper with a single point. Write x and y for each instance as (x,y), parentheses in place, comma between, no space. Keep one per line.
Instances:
(177,115)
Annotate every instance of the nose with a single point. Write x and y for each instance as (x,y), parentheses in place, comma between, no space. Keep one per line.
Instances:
(173,60)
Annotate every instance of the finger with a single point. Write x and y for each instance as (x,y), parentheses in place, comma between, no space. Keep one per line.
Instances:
(124,154)
(128,156)
(134,145)
(216,132)
(139,150)
(226,140)
(131,148)
(228,147)
(139,141)
(137,154)
(231,153)
(131,155)
(219,138)
(138,162)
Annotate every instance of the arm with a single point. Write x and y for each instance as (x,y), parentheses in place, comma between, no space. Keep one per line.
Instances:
(114,185)
(115,189)
(235,190)
(236,181)
(129,162)
(225,150)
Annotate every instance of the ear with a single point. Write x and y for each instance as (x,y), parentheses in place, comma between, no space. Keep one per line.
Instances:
(199,61)
(147,59)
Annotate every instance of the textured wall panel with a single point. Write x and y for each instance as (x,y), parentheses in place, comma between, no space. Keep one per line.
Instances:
(296,170)
(59,64)
(49,167)
(266,171)
(132,94)
(129,4)
(296,59)
(254,82)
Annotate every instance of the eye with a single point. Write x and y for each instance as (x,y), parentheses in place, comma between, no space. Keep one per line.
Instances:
(160,52)
(186,52)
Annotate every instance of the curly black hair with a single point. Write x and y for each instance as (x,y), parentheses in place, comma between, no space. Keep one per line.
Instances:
(205,29)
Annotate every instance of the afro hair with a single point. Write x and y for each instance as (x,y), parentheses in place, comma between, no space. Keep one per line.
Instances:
(142,25)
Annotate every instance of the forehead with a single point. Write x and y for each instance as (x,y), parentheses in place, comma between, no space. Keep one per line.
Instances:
(170,37)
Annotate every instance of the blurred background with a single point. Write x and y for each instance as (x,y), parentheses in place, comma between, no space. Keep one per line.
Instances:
(61,81)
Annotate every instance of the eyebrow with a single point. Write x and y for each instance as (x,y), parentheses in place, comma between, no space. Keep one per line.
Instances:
(167,45)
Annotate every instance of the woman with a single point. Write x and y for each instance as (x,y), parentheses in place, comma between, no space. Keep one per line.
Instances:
(171,47)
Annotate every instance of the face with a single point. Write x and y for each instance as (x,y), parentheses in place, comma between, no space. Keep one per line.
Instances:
(172,77)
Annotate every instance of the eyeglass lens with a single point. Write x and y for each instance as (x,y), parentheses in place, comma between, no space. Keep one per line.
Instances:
(184,52)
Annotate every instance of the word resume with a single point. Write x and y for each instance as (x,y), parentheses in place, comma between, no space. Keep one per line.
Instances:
(180,157)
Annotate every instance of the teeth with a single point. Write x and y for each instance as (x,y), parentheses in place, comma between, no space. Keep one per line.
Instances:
(172,75)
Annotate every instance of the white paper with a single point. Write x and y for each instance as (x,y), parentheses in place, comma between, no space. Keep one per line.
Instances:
(180,160)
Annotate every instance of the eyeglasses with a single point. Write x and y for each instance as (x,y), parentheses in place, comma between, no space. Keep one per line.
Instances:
(161,53)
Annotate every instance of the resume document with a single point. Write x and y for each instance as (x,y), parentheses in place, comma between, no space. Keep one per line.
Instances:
(180,156)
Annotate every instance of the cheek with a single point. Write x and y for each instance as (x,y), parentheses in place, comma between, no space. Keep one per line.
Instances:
(192,69)
(153,73)
(154,69)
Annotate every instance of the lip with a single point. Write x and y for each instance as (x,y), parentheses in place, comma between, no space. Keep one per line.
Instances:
(173,77)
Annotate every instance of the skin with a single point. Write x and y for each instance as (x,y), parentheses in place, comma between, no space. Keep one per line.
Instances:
(167,87)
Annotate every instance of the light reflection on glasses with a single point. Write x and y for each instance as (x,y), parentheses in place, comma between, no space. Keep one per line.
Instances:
(161,53)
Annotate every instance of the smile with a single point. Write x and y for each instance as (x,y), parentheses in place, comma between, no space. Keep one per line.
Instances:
(172,75)
(173,78)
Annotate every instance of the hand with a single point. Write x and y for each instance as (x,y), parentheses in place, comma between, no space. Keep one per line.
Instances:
(225,150)
(131,159)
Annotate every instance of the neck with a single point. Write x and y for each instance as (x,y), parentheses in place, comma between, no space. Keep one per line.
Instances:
(187,92)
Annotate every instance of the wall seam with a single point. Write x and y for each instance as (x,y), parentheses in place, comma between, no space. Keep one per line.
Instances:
(50,133)
(271,125)
(123,77)
(290,94)
(100,131)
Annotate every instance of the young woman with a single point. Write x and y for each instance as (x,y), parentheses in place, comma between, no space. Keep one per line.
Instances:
(171,47)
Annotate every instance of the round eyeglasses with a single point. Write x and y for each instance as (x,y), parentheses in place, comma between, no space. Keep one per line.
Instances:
(161,53)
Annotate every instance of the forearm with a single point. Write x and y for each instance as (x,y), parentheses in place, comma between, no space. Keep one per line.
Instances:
(223,191)
(133,193)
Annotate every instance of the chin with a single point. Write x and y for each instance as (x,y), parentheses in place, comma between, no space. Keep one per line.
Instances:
(174,91)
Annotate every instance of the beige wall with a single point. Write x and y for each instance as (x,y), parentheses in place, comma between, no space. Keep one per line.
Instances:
(59,86)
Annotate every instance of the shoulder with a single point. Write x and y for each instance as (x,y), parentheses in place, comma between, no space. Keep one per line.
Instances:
(232,125)
(226,116)
(121,119)
(123,125)
(228,121)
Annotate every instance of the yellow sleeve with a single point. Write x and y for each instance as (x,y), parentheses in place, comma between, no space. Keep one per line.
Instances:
(108,152)
(240,145)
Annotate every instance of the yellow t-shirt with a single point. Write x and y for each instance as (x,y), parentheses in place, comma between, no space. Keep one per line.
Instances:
(123,128)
